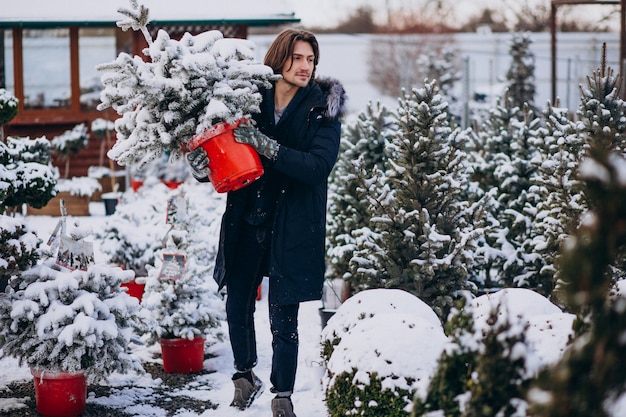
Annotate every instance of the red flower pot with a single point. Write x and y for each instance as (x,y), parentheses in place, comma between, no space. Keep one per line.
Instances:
(172,185)
(233,165)
(60,394)
(182,356)
(136,184)
(134,289)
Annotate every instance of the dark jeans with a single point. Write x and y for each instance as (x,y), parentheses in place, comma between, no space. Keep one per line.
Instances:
(244,278)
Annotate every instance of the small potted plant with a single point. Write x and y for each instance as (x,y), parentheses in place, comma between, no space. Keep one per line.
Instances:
(70,326)
(192,92)
(185,306)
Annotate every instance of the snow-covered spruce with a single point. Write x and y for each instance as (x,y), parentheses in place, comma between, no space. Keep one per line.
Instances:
(187,86)
(53,319)
(188,305)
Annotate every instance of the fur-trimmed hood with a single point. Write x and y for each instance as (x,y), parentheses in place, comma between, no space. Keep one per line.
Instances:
(335,94)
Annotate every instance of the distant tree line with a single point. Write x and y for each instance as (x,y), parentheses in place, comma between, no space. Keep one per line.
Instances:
(439,17)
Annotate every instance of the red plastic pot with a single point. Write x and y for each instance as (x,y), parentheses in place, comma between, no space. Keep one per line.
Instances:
(134,289)
(60,394)
(136,184)
(182,356)
(172,185)
(233,165)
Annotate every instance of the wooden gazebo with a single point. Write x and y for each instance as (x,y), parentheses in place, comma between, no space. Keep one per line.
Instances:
(68,24)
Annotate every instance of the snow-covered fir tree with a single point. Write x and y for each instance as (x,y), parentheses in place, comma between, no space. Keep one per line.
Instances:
(590,379)
(184,303)
(187,86)
(521,74)
(362,145)
(504,161)
(443,67)
(423,231)
(61,320)
(560,200)
(602,108)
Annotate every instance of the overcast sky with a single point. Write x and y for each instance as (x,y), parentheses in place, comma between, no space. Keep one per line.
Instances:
(330,12)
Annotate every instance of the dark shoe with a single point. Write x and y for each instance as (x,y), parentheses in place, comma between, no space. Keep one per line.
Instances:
(282,407)
(247,387)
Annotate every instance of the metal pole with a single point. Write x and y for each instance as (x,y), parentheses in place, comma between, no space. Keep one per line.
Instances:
(466,90)
(622,45)
(553,48)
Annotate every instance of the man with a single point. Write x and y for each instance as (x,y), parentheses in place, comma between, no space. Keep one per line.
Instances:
(275,226)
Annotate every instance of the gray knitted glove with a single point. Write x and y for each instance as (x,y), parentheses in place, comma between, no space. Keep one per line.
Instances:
(199,163)
(264,145)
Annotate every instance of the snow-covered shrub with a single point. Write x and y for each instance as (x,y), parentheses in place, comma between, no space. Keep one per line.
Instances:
(18,248)
(187,86)
(500,343)
(54,319)
(368,375)
(26,174)
(367,304)
(69,143)
(182,297)
(132,235)
(8,106)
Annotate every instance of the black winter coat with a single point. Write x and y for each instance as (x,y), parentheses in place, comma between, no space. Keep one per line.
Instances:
(309,133)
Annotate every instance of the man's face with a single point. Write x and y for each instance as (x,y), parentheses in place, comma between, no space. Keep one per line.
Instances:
(298,70)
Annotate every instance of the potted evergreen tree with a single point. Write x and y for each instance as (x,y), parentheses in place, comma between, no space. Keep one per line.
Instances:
(69,325)
(190,91)
(186,306)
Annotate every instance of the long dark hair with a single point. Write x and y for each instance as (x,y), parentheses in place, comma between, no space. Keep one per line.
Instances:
(281,50)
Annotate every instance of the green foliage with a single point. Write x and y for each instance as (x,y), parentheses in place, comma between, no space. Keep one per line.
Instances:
(346,397)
